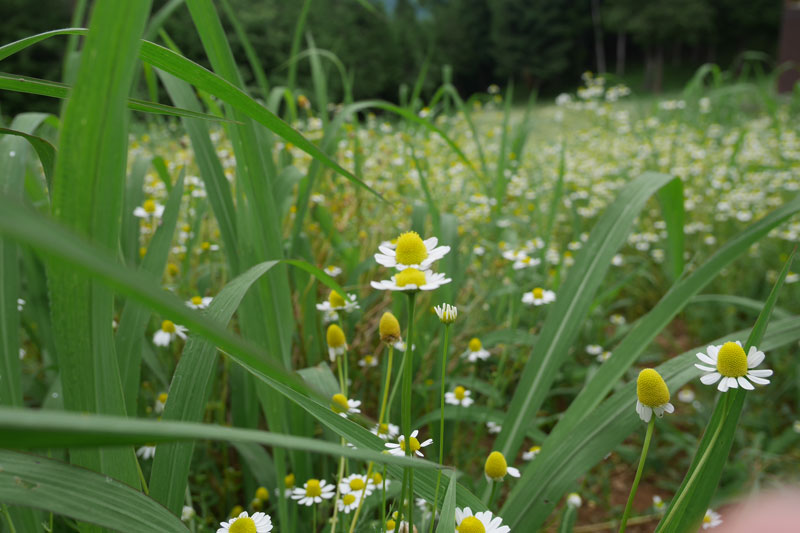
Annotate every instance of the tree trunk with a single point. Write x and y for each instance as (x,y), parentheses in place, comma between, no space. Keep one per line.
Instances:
(599,48)
(621,53)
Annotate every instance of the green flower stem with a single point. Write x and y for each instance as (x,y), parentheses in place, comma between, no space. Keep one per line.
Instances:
(441,422)
(647,437)
(344,357)
(383,501)
(339,477)
(11,527)
(389,363)
(341,375)
(406,418)
(492,495)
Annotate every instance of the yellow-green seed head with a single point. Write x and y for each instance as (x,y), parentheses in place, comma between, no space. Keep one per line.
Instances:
(410,276)
(389,328)
(410,249)
(335,336)
(475,344)
(731,360)
(262,494)
(289,481)
(336,300)
(651,389)
(496,466)
(339,403)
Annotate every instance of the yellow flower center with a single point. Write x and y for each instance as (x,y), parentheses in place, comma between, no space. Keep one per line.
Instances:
(262,494)
(335,336)
(731,360)
(707,519)
(651,389)
(475,344)
(538,293)
(368,359)
(335,299)
(410,276)
(414,444)
(356,484)
(471,525)
(205,245)
(186,228)
(460,392)
(496,466)
(162,398)
(410,249)
(377,478)
(289,481)
(172,269)
(168,326)
(197,300)
(236,511)
(339,403)
(390,525)
(383,429)
(389,328)
(243,525)
(149,206)
(313,489)
(348,499)
(535,449)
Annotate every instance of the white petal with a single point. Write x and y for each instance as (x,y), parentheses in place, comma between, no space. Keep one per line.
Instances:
(723,385)
(744,383)
(754,358)
(713,351)
(756,379)
(705,368)
(669,408)
(765,373)
(385,250)
(430,243)
(706,359)
(385,260)
(513,472)
(710,379)
(646,413)
(732,383)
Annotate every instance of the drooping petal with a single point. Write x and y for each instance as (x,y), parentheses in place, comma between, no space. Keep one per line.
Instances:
(710,379)
(756,379)
(706,359)
(744,383)
(765,373)
(705,368)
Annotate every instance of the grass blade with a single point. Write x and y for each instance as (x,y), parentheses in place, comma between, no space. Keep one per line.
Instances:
(447,517)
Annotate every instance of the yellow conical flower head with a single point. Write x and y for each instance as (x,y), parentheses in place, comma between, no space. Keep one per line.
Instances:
(460,392)
(313,488)
(410,249)
(335,336)
(475,344)
(357,484)
(496,466)
(339,403)
(389,328)
(244,524)
(335,299)
(289,481)
(149,206)
(538,293)
(471,524)
(168,326)
(377,479)
(410,276)
(731,360)
(197,300)
(262,494)
(651,389)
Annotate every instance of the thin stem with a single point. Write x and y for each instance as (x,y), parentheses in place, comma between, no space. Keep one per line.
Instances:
(361,501)
(386,386)
(492,495)
(341,375)
(11,527)
(441,422)
(383,500)
(142,478)
(406,418)
(339,476)
(650,426)
(314,520)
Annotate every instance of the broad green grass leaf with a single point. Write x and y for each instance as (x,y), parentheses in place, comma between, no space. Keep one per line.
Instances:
(447,516)
(86,496)
(45,150)
(574,299)
(739,302)
(687,508)
(671,199)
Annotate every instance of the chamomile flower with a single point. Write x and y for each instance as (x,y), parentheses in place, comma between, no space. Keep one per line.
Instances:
(531,454)
(526,262)
(399,447)
(603,356)
(337,344)
(411,252)
(482,522)
(386,431)
(652,395)
(357,483)
(342,406)
(20,304)
(711,519)
(148,451)
(729,365)
(459,396)
(149,209)
(538,296)
(288,482)
(336,302)
(187,513)
(161,401)
(389,328)
(412,279)
(368,361)
(332,270)
(349,502)
(447,313)
(475,351)
(496,468)
(313,491)
(199,302)
(659,504)
(594,349)
(493,427)
(168,332)
(686,395)
(258,523)
(574,500)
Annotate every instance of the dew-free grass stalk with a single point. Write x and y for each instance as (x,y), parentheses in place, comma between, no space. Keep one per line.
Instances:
(636,479)
(11,527)
(441,422)
(406,418)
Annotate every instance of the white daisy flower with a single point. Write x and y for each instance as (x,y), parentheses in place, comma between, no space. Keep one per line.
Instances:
(652,395)
(332,271)
(20,304)
(411,252)
(313,491)
(711,519)
(199,302)
(336,302)
(526,262)
(538,296)
(475,351)
(337,344)
(149,209)
(169,330)
(447,313)
(400,346)
(604,356)
(459,396)
(187,513)
(729,365)
(493,427)
(349,502)
(686,395)
(330,316)
(617,319)
(412,279)
(343,406)
(659,504)
(483,522)
(496,468)
(531,454)
(161,401)
(258,523)
(148,451)
(386,431)
(574,500)
(368,361)
(399,448)
(594,349)
(357,483)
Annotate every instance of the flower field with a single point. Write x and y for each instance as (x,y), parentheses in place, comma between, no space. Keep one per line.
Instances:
(251,309)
